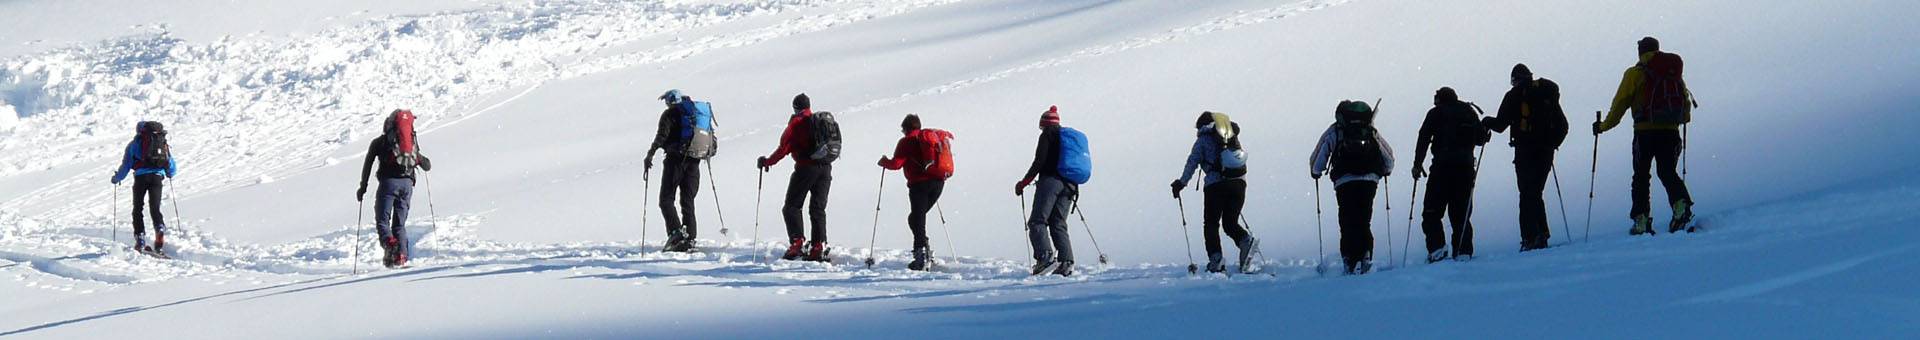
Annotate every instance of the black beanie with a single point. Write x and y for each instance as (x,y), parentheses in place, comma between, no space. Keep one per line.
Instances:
(1445,95)
(801,102)
(912,122)
(1520,72)
(1649,44)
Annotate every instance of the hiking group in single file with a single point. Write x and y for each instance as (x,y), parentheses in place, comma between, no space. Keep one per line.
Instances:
(1351,154)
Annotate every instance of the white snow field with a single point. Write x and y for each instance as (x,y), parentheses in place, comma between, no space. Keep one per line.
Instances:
(537,114)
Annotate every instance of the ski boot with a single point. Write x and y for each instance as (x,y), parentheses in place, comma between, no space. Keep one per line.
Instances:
(159,237)
(391,252)
(1359,266)
(1215,264)
(1247,251)
(1533,244)
(1642,225)
(1682,216)
(1042,267)
(1437,256)
(1065,269)
(140,244)
(679,242)
(819,252)
(796,247)
(922,259)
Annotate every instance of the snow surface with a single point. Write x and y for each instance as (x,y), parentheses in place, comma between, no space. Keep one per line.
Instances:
(536,113)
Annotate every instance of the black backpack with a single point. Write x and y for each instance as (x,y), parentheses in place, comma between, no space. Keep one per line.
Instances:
(1541,115)
(826,137)
(154,152)
(1356,151)
(1462,130)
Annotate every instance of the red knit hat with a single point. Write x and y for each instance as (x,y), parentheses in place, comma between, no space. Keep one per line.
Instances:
(1051,118)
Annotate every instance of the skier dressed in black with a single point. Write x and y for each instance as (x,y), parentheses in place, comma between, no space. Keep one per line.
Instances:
(1358,159)
(681,179)
(1532,110)
(1451,131)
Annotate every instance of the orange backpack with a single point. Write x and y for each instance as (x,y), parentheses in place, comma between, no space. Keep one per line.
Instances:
(937,145)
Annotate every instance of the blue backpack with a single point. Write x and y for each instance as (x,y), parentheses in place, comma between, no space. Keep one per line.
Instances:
(697,129)
(1076,162)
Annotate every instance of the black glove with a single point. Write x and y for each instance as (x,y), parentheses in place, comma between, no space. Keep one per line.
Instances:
(648,163)
(361,195)
(1418,172)
(1598,128)
(1177,186)
(761,163)
(1315,176)
(426,163)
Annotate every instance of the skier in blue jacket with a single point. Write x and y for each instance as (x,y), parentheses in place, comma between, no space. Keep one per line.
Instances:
(149,157)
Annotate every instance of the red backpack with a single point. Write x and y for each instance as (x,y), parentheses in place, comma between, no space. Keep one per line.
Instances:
(1663,98)
(406,151)
(937,145)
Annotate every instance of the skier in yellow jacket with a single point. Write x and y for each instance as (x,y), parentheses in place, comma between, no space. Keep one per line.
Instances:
(1656,137)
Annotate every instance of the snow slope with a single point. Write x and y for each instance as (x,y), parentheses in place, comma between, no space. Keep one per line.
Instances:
(535,112)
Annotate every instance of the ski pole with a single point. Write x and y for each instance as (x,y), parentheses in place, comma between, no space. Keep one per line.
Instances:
(1592,175)
(359,217)
(1319,230)
(875,238)
(173,193)
(1192,267)
(1557,192)
(1388,182)
(760,186)
(1413,196)
(646,189)
(113,215)
(407,250)
(1256,248)
(714,187)
(946,231)
(1024,226)
(1089,228)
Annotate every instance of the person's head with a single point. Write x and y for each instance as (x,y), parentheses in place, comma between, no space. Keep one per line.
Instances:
(1050,118)
(672,97)
(1520,75)
(1649,44)
(1445,96)
(802,103)
(911,123)
(1206,117)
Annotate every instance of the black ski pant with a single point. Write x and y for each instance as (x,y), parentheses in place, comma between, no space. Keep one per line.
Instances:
(150,187)
(1356,219)
(1664,147)
(921,197)
(1532,166)
(681,180)
(808,180)
(1224,202)
(391,202)
(1449,196)
(1047,229)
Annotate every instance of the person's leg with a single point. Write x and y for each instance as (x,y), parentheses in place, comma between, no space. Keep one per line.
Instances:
(1459,208)
(817,207)
(920,197)
(1356,219)
(1666,152)
(797,187)
(1211,212)
(1046,193)
(1063,205)
(1234,199)
(1435,207)
(1533,175)
(670,178)
(383,212)
(141,190)
(402,205)
(1642,164)
(689,189)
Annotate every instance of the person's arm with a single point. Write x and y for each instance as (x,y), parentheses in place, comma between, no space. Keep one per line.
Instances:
(662,133)
(366,168)
(126,162)
(1505,115)
(1386,154)
(1194,157)
(786,143)
(1044,149)
(173,166)
(1623,98)
(901,151)
(1317,164)
(1424,139)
